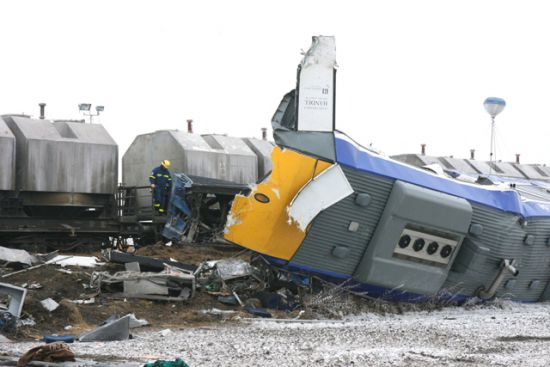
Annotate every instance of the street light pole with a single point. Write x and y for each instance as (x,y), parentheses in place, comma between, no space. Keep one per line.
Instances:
(85,108)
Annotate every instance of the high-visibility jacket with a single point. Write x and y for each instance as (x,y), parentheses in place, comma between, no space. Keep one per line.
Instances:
(161,177)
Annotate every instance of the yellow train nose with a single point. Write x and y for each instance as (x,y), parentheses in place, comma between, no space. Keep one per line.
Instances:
(260,221)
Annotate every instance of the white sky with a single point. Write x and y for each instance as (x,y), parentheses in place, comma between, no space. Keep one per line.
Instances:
(411,72)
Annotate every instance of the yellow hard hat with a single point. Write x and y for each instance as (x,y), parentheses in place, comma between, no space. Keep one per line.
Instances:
(166,163)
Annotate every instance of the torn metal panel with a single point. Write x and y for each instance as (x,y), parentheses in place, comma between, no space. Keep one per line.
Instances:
(233,268)
(116,330)
(325,190)
(146,263)
(320,144)
(49,304)
(144,286)
(12,256)
(172,283)
(316,86)
(82,261)
(17,298)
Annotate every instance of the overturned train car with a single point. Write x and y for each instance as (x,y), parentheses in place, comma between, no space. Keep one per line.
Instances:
(340,211)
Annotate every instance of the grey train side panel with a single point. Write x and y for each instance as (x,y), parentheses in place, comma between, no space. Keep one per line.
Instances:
(503,237)
(426,217)
(335,245)
(330,244)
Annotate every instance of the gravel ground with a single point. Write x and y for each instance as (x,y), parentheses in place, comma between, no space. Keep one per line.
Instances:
(500,335)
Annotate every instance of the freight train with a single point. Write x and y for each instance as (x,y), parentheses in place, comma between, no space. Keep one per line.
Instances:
(59,179)
(344,213)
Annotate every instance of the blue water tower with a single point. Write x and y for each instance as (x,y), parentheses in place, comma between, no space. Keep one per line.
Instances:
(493,106)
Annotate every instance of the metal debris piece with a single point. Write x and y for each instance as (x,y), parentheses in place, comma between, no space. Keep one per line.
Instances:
(17,258)
(27,269)
(233,268)
(217,312)
(321,192)
(134,321)
(258,312)
(49,304)
(146,263)
(116,330)
(17,298)
(228,300)
(33,285)
(29,321)
(84,301)
(133,266)
(82,261)
(172,284)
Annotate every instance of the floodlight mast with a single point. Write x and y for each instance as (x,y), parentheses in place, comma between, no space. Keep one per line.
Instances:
(493,106)
(85,108)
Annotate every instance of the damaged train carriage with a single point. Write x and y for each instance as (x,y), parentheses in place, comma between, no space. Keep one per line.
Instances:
(340,211)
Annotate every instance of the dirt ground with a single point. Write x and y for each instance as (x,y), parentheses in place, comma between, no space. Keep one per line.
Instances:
(329,329)
(71,319)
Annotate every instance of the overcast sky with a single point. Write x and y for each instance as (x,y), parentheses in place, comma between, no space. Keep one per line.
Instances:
(410,72)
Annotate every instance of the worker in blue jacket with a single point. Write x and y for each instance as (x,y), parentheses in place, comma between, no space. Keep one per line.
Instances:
(161,185)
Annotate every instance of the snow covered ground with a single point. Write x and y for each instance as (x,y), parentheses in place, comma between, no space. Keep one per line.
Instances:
(505,334)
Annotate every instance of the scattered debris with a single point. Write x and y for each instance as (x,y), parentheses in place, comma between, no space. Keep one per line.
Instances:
(146,263)
(228,300)
(16,298)
(45,261)
(55,352)
(225,277)
(81,261)
(23,270)
(116,330)
(3,339)
(258,312)
(49,304)
(164,333)
(29,321)
(216,311)
(172,284)
(8,322)
(16,258)
(134,321)
(33,285)
(88,301)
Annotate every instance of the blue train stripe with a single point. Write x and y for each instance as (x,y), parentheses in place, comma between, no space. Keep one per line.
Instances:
(353,156)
